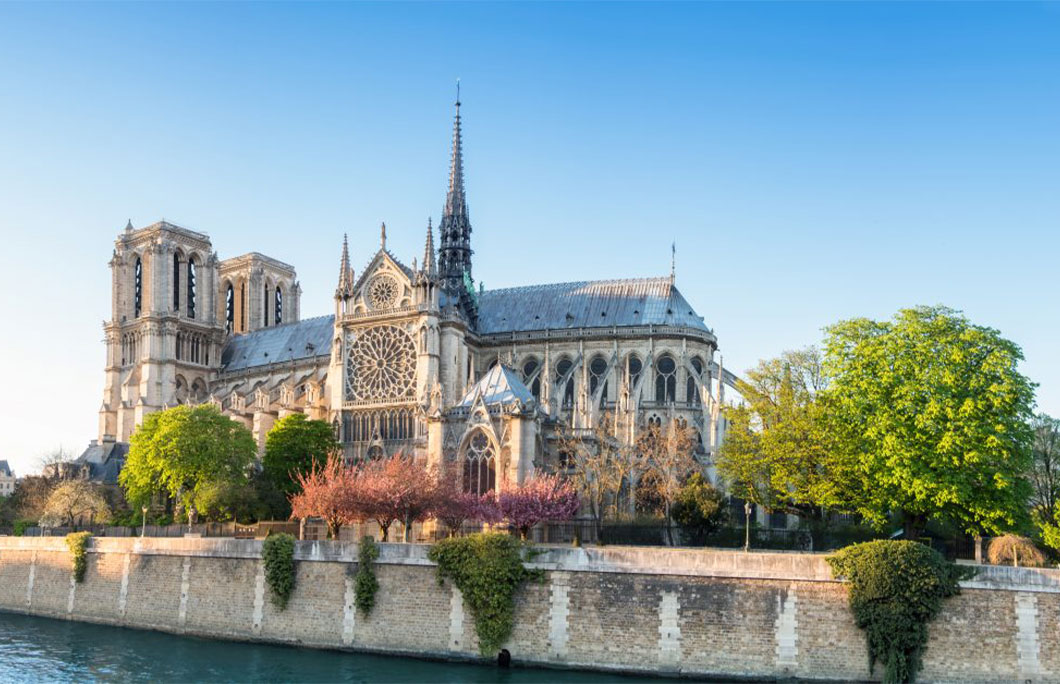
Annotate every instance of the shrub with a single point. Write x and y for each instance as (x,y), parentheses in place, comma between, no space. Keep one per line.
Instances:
(366,584)
(487,568)
(896,588)
(698,508)
(20,526)
(277,552)
(1016,550)
(77,542)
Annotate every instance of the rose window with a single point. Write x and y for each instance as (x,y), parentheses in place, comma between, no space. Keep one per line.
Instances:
(382,292)
(381,365)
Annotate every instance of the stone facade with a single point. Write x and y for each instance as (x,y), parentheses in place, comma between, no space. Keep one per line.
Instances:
(690,612)
(406,361)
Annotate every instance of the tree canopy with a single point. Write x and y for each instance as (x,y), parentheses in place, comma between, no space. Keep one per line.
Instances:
(778,451)
(74,502)
(295,446)
(933,415)
(186,452)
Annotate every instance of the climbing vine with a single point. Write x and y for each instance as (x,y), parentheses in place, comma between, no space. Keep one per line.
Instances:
(77,542)
(277,552)
(896,588)
(487,568)
(366,584)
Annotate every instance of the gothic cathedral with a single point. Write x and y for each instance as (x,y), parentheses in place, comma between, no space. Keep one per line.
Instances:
(414,360)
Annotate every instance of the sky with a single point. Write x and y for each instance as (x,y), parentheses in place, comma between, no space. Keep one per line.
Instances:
(812,162)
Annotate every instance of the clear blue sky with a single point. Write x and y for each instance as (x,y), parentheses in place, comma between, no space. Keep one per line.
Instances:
(812,161)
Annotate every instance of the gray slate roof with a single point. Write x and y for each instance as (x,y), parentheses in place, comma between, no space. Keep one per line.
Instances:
(498,386)
(5,469)
(288,342)
(586,304)
(104,460)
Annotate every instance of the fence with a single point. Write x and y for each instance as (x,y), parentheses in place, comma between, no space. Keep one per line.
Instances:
(577,531)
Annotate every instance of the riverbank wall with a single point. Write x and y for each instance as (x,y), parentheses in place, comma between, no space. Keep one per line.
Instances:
(700,613)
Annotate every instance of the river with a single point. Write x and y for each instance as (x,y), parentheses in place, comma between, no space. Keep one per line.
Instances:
(36,649)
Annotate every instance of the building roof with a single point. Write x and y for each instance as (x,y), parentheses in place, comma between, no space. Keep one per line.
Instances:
(5,469)
(281,343)
(586,304)
(103,461)
(498,386)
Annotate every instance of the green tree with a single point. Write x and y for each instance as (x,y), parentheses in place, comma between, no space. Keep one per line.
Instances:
(777,451)
(1045,471)
(294,446)
(186,452)
(935,417)
(698,508)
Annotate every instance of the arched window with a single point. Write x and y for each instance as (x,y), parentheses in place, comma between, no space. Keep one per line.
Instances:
(242,307)
(176,282)
(598,377)
(692,384)
(665,379)
(278,317)
(192,289)
(180,345)
(633,368)
(265,306)
(138,287)
(530,367)
(480,473)
(230,308)
(562,368)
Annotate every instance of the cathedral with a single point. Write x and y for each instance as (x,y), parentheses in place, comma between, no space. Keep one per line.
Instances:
(415,359)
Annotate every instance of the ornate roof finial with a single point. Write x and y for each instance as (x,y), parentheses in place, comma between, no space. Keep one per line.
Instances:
(382,235)
(345,288)
(128,225)
(428,251)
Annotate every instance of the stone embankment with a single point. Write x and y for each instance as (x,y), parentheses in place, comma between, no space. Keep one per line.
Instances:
(699,613)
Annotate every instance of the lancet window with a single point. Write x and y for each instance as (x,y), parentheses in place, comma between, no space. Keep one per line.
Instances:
(598,377)
(529,369)
(138,287)
(666,380)
(265,305)
(176,282)
(480,467)
(692,383)
(278,295)
(562,368)
(230,308)
(192,286)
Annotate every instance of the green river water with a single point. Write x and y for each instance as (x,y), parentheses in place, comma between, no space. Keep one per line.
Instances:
(35,649)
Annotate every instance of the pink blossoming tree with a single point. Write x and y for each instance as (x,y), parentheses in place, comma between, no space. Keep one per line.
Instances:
(545,497)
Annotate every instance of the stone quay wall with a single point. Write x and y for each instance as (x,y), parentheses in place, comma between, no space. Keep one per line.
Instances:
(700,613)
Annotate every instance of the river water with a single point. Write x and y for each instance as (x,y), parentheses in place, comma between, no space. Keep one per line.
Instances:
(35,649)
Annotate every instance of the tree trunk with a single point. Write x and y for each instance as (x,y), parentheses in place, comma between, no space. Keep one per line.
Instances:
(408,530)
(913,525)
(384,531)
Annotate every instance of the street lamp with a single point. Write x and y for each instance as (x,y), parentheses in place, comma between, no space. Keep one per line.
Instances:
(747,526)
(143,524)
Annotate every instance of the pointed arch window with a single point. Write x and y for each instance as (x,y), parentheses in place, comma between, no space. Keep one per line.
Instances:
(192,287)
(529,369)
(666,380)
(265,305)
(598,377)
(480,470)
(138,287)
(176,282)
(563,368)
(278,295)
(230,308)
(692,383)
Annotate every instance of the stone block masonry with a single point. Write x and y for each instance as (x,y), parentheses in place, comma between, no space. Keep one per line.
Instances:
(698,613)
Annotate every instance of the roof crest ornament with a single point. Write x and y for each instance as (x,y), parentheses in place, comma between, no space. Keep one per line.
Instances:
(382,236)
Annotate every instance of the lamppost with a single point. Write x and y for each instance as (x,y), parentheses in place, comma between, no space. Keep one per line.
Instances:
(747,526)
(143,523)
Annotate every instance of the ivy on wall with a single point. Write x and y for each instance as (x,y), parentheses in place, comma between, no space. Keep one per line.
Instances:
(896,588)
(277,552)
(366,585)
(77,542)
(487,568)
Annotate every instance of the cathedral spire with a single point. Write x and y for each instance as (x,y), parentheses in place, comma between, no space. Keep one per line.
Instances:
(345,288)
(428,251)
(454,255)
